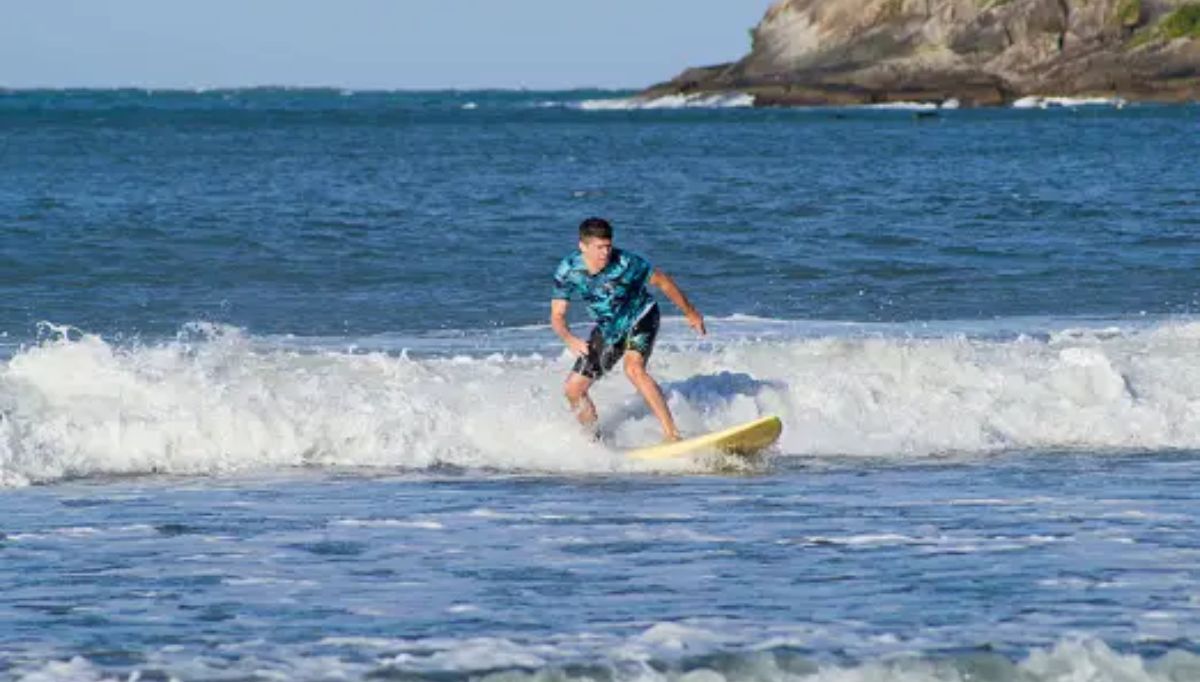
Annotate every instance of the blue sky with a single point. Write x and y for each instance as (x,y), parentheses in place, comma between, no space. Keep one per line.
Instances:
(415,44)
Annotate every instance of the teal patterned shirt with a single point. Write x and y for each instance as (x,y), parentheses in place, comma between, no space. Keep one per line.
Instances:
(616,296)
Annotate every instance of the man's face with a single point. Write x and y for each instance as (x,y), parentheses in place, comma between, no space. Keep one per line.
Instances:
(596,252)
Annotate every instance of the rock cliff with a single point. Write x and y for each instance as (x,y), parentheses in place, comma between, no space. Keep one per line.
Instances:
(978,52)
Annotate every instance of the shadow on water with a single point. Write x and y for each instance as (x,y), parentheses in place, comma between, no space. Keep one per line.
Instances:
(705,392)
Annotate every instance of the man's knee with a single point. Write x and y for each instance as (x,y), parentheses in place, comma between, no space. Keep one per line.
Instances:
(575,389)
(635,366)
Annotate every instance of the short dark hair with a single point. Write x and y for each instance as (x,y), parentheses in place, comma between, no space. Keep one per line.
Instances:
(595,228)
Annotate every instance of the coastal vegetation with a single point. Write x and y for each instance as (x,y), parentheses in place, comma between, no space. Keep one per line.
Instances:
(1184,22)
(1129,13)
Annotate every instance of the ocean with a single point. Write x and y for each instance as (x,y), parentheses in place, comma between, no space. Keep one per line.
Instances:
(279,399)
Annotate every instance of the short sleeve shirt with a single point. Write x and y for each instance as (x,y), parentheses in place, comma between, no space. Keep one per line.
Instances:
(615,297)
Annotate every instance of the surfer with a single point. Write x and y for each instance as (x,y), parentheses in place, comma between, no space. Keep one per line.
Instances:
(613,283)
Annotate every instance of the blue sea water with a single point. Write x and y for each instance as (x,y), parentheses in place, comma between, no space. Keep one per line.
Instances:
(278,399)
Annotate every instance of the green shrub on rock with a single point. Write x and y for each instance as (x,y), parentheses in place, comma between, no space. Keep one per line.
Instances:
(1129,13)
(1184,22)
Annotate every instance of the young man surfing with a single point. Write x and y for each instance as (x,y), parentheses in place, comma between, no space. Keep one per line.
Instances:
(614,285)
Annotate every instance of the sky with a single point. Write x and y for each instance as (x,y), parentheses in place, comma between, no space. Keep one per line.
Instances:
(389,44)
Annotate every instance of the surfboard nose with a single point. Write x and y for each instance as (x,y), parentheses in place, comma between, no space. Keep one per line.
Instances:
(744,439)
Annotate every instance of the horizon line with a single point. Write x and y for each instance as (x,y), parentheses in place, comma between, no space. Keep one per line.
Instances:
(333,88)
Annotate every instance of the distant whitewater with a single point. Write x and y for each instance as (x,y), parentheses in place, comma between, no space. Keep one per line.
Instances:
(698,101)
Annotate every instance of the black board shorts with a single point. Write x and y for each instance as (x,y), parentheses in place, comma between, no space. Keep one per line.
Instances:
(602,357)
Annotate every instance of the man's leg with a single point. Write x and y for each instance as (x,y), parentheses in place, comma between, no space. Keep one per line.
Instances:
(635,369)
(576,390)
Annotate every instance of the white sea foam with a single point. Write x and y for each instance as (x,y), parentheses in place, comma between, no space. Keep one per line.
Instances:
(1070,660)
(75,670)
(695,101)
(83,406)
(868,540)
(225,403)
(267,581)
(1044,102)
(905,106)
(481,653)
(422,524)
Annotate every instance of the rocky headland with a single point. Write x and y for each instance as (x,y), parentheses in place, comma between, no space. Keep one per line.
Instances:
(968,52)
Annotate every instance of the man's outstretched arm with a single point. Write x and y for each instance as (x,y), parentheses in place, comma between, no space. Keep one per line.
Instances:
(664,282)
(558,322)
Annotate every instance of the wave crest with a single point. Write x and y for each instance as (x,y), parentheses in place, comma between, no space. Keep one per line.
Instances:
(215,400)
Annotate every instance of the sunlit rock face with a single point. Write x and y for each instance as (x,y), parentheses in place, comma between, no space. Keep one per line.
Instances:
(978,52)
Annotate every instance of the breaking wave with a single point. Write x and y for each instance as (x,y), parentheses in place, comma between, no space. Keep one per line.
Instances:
(660,654)
(218,400)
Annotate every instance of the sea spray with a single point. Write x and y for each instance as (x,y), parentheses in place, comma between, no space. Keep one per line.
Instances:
(221,400)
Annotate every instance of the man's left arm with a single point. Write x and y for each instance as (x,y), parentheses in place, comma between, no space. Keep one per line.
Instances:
(664,282)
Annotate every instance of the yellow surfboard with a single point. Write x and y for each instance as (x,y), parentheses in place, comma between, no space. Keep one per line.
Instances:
(744,439)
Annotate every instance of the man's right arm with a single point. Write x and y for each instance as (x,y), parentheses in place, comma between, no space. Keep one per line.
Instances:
(558,322)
